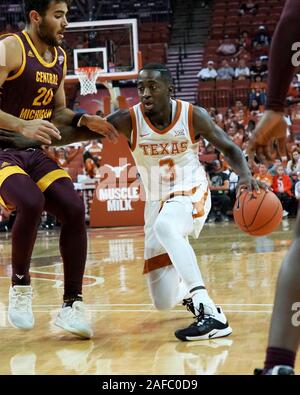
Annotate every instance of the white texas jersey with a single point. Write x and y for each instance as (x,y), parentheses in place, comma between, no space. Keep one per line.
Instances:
(167,160)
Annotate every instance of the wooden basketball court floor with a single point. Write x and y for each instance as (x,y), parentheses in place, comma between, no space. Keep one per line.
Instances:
(130,336)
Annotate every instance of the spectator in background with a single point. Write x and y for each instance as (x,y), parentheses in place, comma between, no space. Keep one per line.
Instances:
(242,53)
(242,71)
(263,175)
(260,52)
(296,112)
(249,7)
(273,168)
(244,40)
(62,156)
(297,188)
(7,219)
(227,47)
(257,94)
(261,37)
(254,106)
(225,72)
(238,137)
(282,187)
(293,165)
(77,108)
(92,157)
(210,149)
(293,92)
(231,130)
(238,105)
(250,127)
(219,188)
(208,73)
(258,69)
(233,179)
(213,112)
(241,118)
(201,145)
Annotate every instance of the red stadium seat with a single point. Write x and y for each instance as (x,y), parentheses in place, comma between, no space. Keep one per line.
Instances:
(231,31)
(224,84)
(206,93)
(241,90)
(223,93)
(207,85)
(217,33)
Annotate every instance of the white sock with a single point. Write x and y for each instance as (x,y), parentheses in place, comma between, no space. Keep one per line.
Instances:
(183,292)
(201,296)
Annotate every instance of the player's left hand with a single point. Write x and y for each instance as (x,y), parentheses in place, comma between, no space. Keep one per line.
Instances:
(249,183)
(100,125)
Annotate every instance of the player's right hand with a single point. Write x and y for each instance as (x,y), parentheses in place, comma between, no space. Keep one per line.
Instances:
(269,136)
(39,130)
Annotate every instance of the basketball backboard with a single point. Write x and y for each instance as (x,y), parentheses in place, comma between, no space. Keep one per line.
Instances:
(110,44)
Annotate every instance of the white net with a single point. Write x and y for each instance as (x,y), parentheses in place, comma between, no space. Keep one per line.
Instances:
(88,77)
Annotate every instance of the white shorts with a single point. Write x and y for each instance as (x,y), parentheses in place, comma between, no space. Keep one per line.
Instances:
(197,205)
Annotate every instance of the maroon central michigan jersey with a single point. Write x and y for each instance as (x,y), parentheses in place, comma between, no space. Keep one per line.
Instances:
(29,92)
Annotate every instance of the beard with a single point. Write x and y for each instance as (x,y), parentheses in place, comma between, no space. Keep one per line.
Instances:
(46,36)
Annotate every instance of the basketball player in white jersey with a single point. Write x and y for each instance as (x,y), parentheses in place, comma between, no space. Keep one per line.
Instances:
(163,135)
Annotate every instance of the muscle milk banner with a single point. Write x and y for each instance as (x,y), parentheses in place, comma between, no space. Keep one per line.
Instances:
(118,198)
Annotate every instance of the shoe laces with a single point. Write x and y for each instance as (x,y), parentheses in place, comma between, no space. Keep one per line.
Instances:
(188,303)
(22,300)
(202,317)
(74,313)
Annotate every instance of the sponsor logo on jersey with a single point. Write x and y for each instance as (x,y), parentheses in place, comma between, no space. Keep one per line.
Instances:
(5,164)
(61,59)
(180,132)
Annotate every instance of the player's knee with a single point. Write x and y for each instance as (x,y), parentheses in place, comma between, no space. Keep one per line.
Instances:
(161,228)
(74,210)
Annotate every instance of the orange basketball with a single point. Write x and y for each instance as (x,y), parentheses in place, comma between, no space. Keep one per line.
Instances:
(257,214)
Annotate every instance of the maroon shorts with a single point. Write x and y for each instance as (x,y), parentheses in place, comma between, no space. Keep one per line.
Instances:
(32,162)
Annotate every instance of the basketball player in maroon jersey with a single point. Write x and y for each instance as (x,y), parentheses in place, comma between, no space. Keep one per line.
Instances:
(32,100)
(284,335)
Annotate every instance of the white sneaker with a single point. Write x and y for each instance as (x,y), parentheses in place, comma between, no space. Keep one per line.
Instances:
(73,320)
(285,214)
(19,308)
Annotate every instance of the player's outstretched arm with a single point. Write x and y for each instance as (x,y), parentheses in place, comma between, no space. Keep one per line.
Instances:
(69,135)
(205,127)
(63,116)
(120,119)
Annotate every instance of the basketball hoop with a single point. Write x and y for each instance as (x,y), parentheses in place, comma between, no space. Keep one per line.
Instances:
(88,77)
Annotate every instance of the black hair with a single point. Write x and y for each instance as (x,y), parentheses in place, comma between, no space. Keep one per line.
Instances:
(164,71)
(40,6)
